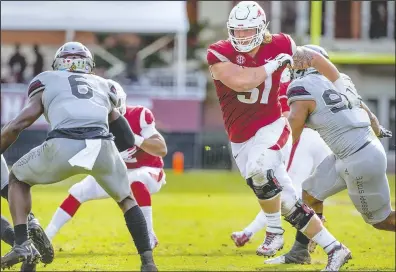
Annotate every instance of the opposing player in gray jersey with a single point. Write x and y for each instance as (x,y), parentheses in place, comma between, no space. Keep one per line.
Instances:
(358,162)
(81,109)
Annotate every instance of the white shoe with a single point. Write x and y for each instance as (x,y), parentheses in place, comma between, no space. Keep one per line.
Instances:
(240,238)
(273,243)
(337,257)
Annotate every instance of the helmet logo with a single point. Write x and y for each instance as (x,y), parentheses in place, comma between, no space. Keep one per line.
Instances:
(240,59)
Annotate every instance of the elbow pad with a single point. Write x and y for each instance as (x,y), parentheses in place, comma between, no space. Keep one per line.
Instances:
(124,137)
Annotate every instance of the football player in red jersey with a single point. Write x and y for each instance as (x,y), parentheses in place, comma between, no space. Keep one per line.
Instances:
(306,154)
(246,70)
(145,171)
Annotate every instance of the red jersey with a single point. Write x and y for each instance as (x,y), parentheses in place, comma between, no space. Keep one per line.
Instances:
(283,97)
(142,122)
(245,113)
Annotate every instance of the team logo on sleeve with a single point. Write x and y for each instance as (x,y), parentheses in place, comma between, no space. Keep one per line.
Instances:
(240,59)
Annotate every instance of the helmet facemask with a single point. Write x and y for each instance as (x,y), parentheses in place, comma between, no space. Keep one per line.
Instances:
(73,57)
(247,44)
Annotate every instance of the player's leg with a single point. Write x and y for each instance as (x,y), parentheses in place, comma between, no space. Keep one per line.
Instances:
(368,187)
(266,152)
(323,183)
(7,232)
(83,191)
(111,173)
(34,228)
(45,164)
(145,182)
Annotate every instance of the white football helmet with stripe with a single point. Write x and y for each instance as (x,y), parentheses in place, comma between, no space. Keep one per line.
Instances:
(247,15)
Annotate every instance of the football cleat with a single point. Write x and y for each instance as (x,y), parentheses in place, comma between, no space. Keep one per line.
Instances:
(294,256)
(273,243)
(147,262)
(26,252)
(240,238)
(337,257)
(40,240)
(28,267)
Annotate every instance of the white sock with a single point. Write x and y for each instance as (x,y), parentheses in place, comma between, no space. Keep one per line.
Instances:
(257,224)
(274,222)
(58,220)
(148,215)
(325,240)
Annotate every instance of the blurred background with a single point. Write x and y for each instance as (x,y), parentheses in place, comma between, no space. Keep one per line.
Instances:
(157,51)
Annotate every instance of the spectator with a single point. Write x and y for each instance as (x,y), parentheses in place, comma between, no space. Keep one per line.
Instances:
(39,64)
(20,60)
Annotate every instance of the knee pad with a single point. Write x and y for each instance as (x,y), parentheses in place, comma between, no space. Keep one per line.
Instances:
(299,215)
(265,186)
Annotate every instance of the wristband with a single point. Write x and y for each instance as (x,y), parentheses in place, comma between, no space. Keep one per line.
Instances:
(339,84)
(138,140)
(271,67)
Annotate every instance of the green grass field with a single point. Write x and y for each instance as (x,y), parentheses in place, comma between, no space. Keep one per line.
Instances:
(194,215)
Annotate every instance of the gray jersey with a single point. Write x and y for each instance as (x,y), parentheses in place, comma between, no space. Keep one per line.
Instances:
(343,124)
(74,100)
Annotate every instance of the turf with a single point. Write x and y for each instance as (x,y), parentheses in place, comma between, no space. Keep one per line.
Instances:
(194,215)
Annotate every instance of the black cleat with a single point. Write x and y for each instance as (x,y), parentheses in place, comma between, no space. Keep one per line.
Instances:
(28,267)
(25,252)
(147,261)
(40,240)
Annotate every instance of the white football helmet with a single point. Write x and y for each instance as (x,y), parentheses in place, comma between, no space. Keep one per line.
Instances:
(300,73)
(244,16)
(73,57)
(120,96)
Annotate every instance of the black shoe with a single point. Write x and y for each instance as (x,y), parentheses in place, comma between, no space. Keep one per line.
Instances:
(25,252)
(147,262)
(40,240)
(28,267)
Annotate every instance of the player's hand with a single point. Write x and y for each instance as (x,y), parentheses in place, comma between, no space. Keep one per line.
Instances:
(283,59)
(128,154)
(384,133)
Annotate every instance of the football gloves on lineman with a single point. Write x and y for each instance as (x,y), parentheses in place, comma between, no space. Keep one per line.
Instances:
(283,59)
(384,133)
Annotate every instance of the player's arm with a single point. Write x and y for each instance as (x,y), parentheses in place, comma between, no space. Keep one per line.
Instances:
(29,114)
(304,58)
(154,145)
(302,104)
(151,140)
(299,112)
(239,78)
(119,127)
(379,130)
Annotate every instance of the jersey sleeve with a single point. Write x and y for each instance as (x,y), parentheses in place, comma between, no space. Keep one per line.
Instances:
(37,84)
(147,124)
(283,97)
(292,44)
(215,54)
(297,91)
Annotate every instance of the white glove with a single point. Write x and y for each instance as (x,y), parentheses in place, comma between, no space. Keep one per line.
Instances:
(283,59)
(127,155)
(280,61)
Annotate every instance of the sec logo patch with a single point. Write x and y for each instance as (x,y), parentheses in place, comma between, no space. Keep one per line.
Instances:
(240,59)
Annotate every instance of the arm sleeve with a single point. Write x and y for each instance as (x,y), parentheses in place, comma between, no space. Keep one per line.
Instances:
(283,97)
